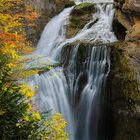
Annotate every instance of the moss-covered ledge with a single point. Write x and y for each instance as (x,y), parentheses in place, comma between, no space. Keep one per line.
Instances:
(70,3)
(80,16)
(124,96)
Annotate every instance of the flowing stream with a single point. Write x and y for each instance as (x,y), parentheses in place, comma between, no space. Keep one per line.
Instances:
(76,90)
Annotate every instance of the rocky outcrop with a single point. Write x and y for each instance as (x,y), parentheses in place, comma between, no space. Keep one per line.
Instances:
(129,6)
(124,93)
(132,7)
(124,80)
(80,15)
(128,13)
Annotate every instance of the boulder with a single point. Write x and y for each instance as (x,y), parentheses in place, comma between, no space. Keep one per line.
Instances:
(79,17)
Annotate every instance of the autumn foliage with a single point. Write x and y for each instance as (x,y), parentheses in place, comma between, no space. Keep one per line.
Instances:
(16,17)
(17,119)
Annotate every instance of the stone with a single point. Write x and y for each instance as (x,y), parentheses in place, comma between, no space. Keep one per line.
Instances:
(79,17)
(134,33)
(132,6)
(123,19)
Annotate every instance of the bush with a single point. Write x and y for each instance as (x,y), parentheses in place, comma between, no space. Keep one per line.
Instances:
(18,122)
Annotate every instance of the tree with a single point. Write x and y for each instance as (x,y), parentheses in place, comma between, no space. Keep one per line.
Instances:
(17,119)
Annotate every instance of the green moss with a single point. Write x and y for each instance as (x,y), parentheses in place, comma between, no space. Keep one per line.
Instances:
(124,95)
(79,22)
(83,5)
(69,4)
(126,82)
(83,8)
(46,68)
(79,17)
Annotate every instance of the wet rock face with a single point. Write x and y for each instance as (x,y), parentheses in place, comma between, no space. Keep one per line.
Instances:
(129,17)
(119,30)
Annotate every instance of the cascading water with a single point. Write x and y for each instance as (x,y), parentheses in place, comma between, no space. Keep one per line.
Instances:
(52,36)
(53,92)
(79,94)
(96,68)
(53,88)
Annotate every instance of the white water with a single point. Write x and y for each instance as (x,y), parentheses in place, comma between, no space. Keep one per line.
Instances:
(54,93)
(53,89)
(97,67)
(101,31)
(52,36)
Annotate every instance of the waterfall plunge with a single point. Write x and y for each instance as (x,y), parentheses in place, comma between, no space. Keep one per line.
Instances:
(58,94)
(53,95)
(88,111)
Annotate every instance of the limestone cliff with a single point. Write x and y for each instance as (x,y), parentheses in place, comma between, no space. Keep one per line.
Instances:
(124,79)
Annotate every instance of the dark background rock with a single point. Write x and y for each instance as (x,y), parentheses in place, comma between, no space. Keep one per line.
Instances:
(47,9)
(123,86)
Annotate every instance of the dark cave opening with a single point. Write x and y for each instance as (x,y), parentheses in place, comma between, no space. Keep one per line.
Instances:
(119,30)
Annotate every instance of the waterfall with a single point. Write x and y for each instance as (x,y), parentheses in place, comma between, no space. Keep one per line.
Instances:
(52,36)
(53,89)
(89,108)
(77,90)
(53,94)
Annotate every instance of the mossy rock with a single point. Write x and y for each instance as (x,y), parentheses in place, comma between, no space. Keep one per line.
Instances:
(69,4)
(83,8)
(80,16)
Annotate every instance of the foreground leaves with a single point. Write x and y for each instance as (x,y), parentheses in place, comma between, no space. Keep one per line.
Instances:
(17,118)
